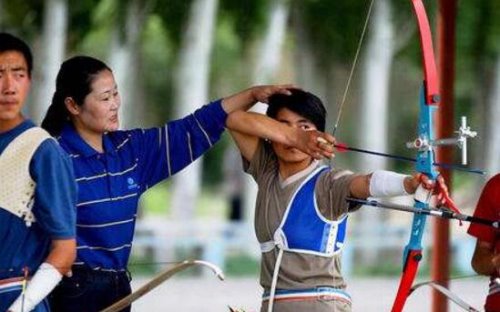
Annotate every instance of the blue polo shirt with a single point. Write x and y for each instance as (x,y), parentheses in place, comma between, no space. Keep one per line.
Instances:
(111,183)
(54,210)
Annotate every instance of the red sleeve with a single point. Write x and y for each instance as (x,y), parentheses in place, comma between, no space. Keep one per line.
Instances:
(488,207)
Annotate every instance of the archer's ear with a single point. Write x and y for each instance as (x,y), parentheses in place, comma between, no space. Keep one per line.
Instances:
(72,107)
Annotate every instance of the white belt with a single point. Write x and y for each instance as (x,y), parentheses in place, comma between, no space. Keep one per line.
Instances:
(319,293)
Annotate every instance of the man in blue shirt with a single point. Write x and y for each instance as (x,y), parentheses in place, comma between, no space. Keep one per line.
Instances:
(37,193)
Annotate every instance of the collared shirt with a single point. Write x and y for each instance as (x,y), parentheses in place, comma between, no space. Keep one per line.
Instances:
(111,183)
(297,270)
(488,207)
(54,210)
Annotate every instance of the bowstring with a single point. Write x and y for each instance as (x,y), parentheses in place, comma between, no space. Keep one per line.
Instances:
(349,79)
(351,74)
(353,67)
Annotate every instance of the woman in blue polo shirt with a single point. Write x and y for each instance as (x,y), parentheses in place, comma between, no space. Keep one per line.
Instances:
(113,168)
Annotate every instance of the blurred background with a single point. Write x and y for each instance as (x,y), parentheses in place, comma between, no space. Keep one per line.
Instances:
(170,57)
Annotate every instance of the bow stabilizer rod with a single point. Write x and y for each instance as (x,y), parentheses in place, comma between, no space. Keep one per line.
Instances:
(440,213)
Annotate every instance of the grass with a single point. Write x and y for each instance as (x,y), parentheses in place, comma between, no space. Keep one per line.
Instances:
(241,265)
(157,201)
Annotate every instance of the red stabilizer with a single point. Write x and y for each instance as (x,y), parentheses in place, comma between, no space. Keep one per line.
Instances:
(341,147)
(409,273)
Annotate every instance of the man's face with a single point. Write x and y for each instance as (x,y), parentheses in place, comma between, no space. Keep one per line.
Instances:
(287,154)
(14,87)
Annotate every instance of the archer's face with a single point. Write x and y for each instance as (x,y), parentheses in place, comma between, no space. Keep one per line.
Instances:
(14,87)
(287,154)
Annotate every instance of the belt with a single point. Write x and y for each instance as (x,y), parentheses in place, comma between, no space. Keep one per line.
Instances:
(13,282)
(317,293)
(100,273)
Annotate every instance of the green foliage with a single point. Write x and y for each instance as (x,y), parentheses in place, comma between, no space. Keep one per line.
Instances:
(95,43)
(142,264)
(478,42)
(229,70)
(80,22)
(212,166)
(334,27)
(23,18)
(159,58)
(249,17)
(385,268)
(241,265)
(157,202)
(107,13)
(380,269)
(174,15)
(97,20)
(486,27)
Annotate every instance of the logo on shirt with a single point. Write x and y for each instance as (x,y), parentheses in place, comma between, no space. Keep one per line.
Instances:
(131,184)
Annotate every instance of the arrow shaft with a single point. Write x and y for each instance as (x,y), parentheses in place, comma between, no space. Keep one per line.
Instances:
(405,158)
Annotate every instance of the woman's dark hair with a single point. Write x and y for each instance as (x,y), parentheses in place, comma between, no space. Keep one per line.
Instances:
(73,80)
(302,103)
(9,42)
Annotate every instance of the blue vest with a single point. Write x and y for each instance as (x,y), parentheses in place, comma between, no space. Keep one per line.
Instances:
(304,229)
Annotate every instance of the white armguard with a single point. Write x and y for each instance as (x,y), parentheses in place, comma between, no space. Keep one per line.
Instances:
(387,183)
(45,279)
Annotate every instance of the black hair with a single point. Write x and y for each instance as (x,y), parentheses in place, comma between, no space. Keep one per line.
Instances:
(74,80)
(9,42)
(302,103)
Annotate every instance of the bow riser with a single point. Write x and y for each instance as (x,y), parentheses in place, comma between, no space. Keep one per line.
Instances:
(425,156)
(429,97)
(425,160)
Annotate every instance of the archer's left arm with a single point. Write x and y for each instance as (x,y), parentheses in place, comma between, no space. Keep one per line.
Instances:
(383,183)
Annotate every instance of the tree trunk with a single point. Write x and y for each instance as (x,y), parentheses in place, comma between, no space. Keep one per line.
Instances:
(375,85)
(308,76)
(374,111)
(190,92)
(125,60)
(55,23)
(266,68)
(492,146)
(270,50)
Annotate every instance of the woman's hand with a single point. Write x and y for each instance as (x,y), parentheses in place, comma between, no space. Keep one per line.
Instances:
(245,99)
(262,93)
